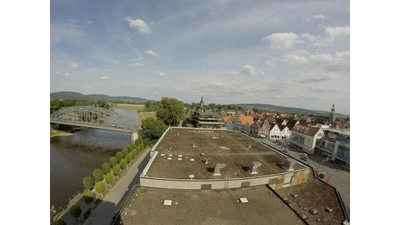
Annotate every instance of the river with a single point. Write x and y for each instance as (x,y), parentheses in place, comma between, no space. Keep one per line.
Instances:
(76,156)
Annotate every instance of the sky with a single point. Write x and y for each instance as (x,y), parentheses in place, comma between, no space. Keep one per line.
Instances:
(287,53)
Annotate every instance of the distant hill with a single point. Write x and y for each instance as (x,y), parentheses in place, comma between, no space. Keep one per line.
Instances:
(288,109)
(76,95)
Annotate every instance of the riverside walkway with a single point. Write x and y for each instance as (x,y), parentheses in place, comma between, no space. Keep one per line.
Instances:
(106,210)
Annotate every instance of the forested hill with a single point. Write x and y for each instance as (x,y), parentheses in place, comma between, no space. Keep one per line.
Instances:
(76,95)
(288,109)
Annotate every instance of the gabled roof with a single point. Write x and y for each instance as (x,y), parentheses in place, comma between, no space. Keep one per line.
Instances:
(291,123)
(281,127)
(246,119)
(310,131)
(226,118)
(271,119)
(272,126)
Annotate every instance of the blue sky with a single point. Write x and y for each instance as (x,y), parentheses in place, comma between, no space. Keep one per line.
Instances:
(288,53)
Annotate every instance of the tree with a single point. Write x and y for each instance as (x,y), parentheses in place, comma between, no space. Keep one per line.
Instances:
(75,211)
(106,167)
(113,161)
(60,222)
(100,187)
(152,128)
(117,170)
(87,183)
(119,156)
(97,175)
(88,196)
(129,157)
(125,152)
(139,141)
(123,164)
(171,111)
(109,178)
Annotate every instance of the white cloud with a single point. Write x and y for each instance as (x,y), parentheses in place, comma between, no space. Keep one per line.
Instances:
(140,24)
(316,78)
(336,32)
(281,40)
(116,62)
(295,59)
(74,65)
(89,87)
(89,22)
(104,78)
(161,73)
(320,16)
(248,70)
(137,65)
(151,52)
(322,90)
(138,59)
(67,74)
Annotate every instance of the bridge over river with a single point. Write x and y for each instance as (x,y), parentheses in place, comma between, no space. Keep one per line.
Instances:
(97,118)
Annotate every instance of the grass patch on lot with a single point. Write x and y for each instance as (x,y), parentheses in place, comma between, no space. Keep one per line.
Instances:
(54,132)
(131,107)
(144,115)
(138,108)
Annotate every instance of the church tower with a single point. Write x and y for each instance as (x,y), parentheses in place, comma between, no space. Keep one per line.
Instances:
(201,103)
(332,116)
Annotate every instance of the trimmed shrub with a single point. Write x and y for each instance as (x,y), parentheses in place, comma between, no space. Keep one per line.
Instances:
(106,167)
(88,196)
(87,183)
(113,161)
(75,211)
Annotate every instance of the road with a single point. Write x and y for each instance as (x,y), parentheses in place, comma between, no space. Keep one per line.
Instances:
(334,174)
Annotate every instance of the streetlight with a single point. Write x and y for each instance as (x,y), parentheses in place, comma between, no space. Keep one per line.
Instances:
(327,159)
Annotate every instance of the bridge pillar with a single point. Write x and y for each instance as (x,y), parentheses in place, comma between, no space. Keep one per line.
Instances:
(134,136)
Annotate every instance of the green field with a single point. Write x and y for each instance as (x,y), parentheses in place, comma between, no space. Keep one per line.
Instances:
(132,107)
(137,108)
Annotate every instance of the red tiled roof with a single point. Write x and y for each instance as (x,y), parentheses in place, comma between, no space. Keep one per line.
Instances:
(246,119)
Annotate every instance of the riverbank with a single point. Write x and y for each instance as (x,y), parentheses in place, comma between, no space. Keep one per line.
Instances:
(54,133)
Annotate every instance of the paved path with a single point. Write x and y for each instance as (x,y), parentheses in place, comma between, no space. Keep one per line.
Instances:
(106,210)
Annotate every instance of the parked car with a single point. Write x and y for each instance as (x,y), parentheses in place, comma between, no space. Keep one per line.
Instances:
(304,156)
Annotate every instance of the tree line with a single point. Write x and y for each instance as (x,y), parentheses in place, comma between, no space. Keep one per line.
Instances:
(58,103)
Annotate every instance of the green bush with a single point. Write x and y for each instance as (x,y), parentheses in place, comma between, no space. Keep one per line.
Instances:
(123,163)
(59,222)
(113,161)
(75,211)
(106,167)
(129,157)
(87,183)
(109,178)
(100,187)
(98,175)
(116,170)
(125,152)
(88,196)
(119,156)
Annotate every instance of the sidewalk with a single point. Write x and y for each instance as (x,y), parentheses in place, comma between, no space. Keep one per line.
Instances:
(108,207)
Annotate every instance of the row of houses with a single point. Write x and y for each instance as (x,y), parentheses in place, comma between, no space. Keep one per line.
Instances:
(309,136)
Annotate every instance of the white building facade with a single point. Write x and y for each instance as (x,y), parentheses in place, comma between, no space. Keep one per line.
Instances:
(336,143)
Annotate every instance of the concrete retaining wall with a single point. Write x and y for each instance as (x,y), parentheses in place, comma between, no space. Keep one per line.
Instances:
(276,181)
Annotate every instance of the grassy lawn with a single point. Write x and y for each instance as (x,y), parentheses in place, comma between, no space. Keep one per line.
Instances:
(144,115)
(136,108)
(54,132)
(132,107)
